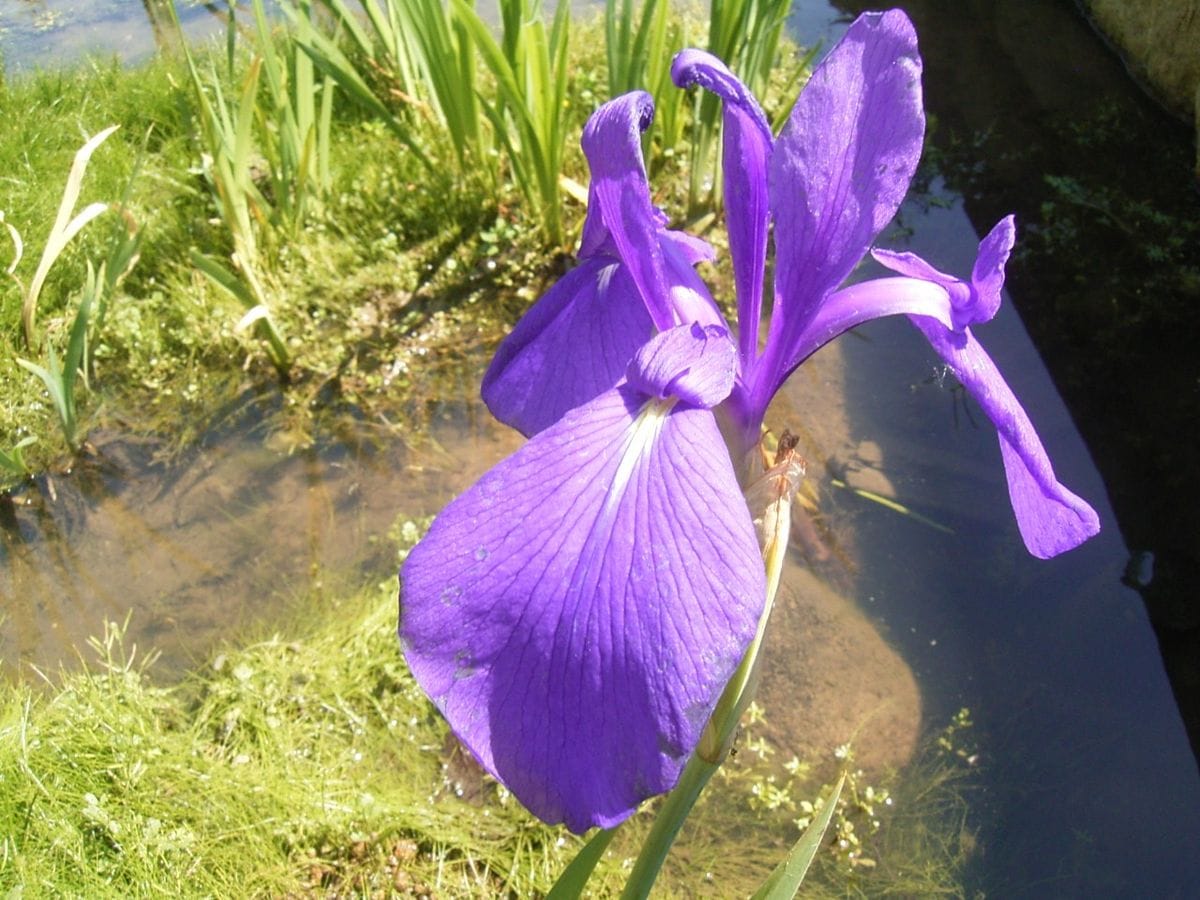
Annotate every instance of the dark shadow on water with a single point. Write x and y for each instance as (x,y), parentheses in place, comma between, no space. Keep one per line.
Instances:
(1091,786)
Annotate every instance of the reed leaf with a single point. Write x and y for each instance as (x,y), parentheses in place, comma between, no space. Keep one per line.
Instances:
(65,227)
(529,114)
(245,287)
(418,61)
(785,881)
(574,877)
(13,461)
(60,379)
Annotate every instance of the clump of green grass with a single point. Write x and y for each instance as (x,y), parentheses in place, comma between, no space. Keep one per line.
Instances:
(169,344)
(289,766)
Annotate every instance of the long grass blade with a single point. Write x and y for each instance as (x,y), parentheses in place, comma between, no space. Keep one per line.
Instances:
(785,881)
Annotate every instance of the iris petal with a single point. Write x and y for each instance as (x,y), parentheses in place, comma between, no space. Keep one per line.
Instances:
(634,275)
(747,153)
(572,345)
(620,193)
(839,171)
(1051,518)
(974,302)
(577,612)
(692,363)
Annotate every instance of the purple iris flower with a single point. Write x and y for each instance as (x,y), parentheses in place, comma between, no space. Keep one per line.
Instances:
(576,613)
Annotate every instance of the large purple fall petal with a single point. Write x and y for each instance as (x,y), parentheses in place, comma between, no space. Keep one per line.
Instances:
(571,346)
(838,173)
(577,612)
(1051,518)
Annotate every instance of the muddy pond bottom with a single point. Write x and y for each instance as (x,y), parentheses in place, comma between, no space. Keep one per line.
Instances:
(227,539)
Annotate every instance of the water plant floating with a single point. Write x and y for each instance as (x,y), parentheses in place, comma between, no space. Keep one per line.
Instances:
(577,614)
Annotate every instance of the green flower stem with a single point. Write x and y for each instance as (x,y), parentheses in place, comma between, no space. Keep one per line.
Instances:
(675,809)
(574,877)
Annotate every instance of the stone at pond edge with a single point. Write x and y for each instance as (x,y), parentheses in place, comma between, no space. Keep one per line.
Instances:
(1160,42)
(829,678)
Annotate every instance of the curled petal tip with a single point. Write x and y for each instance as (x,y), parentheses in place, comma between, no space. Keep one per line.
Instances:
(695,364)
(632,110)
(699,68)
(1051,519)
(971,302)
(987,277)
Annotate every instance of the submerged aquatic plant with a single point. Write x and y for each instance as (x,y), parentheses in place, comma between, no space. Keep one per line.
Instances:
(578,612)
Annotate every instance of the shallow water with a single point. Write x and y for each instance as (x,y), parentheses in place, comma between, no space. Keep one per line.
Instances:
(1088,786)
(47,33)
(226,538)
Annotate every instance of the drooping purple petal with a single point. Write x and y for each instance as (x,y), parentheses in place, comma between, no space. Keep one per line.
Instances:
(620,195)
(923,291)
(577,612)
(571,346)
(1051,518)
(838,173)
(747,153)
(972,302)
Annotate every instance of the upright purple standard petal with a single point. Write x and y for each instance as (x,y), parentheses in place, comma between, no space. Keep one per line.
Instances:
(839,170)
(747,153)
(634,276)
(577,612)
(619,192)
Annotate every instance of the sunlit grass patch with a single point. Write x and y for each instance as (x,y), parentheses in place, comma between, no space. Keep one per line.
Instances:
(288,766)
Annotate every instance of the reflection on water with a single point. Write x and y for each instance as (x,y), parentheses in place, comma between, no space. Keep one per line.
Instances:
(1091,789)
(49,33)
